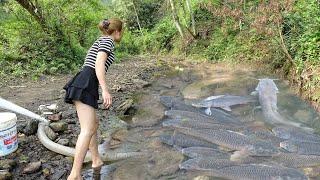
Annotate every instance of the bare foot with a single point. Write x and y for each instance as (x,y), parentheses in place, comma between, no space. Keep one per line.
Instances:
(70,177)
(97,163)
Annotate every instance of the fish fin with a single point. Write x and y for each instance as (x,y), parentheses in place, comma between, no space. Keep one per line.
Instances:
(254,93)
(213,97)
(208,111)
(227,108)
(177,148)
(222,148)
(239,155)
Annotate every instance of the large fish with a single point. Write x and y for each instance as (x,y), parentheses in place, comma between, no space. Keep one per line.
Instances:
(206,163)
(203,152)
(244,171)
(223,102)
(307,148)
(217,117)
(295,160)
(180,140)
(232,140)
(261,133)
(172,123)
(176,103)
(295,134)
(267,91)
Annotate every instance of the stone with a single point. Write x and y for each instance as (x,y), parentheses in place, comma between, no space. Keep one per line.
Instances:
(63,142)
(59,126)
(31,127)
(32,167)
(120,134)
(55,117)
(124,106)
(5,175)
(141,83)
(164,163)
(50,133)
(7,164)
(132,169)
(46,172)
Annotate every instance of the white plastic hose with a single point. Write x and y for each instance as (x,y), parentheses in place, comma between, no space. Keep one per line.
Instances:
(106,155)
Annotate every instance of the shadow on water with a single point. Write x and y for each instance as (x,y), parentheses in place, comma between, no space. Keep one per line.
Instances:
(162,161)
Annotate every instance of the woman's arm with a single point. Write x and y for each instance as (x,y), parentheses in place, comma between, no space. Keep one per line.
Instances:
(100,72)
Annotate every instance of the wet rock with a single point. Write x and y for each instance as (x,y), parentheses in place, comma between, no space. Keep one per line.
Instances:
(198,90)
(115,124)
(124,106)
(31,127)
(7,164)
(64,142)
(120,134)
(167,84)
(141,83)
(201,178)
(32,167)
(55,117)
(303,115)
(106,172)
(50,133)
(5,175)
(155,144)
(132,169)
(59,126)
(150,112)
(164,163)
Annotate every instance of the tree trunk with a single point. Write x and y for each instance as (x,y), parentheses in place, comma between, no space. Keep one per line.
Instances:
(137,17)
(176,18)
(34,11)
(193,23)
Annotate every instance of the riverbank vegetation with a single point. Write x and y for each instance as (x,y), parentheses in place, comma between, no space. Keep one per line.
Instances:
(50,37)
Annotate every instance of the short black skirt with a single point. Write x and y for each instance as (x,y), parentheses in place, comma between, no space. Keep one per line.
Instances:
(83,87)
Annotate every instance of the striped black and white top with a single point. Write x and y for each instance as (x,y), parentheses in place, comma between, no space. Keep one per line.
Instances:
(105,44)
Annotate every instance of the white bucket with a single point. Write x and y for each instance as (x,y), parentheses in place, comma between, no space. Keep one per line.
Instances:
(8,133)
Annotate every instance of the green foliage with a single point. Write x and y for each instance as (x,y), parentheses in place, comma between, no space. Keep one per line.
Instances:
(302,28)
(233,31)
(128,45)
(159,39)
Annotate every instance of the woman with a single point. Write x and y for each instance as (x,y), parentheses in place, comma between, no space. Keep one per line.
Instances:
(82,91)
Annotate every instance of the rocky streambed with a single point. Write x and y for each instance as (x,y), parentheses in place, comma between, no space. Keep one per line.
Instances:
(134,121)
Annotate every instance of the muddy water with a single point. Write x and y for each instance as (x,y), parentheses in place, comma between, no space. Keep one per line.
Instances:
(196,82)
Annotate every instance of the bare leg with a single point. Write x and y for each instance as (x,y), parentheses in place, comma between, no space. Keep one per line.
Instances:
(93,147)
(86,115)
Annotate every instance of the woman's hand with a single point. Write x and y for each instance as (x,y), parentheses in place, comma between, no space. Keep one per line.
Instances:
(107,99)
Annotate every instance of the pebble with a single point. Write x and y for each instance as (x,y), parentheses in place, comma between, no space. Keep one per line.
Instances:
(7,164)
(55,117)
(32,167)
(63,142)
(59,126)
(31,127)
(5,175)
(50,133)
